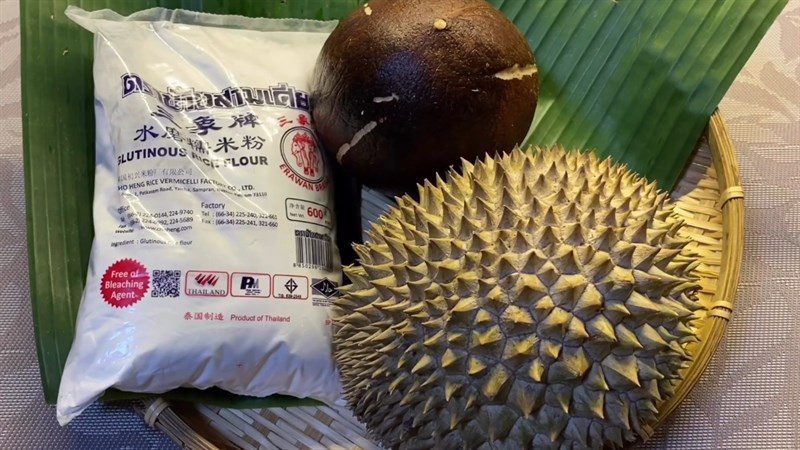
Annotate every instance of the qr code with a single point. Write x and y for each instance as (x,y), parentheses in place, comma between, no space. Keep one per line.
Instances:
(166,283)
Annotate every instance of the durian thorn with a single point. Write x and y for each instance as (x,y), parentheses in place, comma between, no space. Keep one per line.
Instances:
(596,379)
(408,329)
(397,381)
(414,347)
(466,305)
(527,346)
(617,308)
(497,296)
(435,339)
(601,327)
(407,399)
(475,366)
(627,338)
(549,348)
(624,367)
(450,388)
(429,405)
(483,316)
(487,337)
(544,304)
(382,336)
(576,329)
(455,337)
(414,309)
(379,372)
(517,316)
(424,362)
(495,382)
(436,323)
(433,378)
(449,357)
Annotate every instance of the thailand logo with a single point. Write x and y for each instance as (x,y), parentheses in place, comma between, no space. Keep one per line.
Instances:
(302,159)
(206,279)
(206,283)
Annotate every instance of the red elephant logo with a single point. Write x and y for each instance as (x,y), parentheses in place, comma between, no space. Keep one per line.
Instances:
(302,157)
(304,150)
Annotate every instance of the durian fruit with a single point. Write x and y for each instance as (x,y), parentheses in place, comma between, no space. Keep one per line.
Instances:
(537,299)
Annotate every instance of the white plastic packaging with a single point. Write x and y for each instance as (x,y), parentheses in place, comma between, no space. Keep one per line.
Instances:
(214,257)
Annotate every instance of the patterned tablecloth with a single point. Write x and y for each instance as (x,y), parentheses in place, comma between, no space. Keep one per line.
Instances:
(748,398)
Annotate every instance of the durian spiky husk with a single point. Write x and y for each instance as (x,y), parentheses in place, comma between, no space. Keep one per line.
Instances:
(539,298)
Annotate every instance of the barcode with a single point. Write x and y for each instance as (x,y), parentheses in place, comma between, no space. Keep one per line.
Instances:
(313,251)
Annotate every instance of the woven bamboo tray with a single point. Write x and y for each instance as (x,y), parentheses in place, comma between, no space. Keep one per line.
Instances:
(708,197)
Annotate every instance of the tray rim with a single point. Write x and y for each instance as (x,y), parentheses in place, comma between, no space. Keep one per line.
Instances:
(726,165)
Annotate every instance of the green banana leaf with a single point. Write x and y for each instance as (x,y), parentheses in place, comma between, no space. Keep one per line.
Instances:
(635,79)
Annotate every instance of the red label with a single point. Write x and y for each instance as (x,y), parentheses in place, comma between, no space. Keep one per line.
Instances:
(124,283)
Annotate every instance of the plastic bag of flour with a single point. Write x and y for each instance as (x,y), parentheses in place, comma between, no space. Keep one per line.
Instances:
(214,257)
